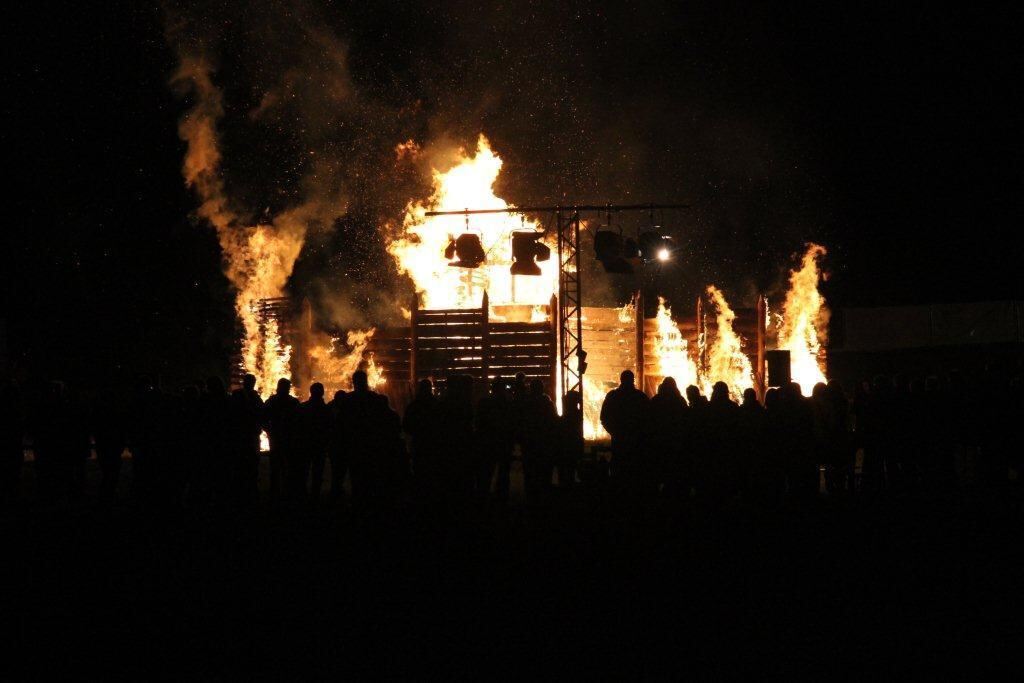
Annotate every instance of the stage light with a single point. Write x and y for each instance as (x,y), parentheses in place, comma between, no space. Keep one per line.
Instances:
(614,252)
(656,247)
(468,249)
(526,251)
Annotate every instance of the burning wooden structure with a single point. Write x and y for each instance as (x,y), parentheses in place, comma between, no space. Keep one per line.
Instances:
(438,343)
(476,342)
(275,318)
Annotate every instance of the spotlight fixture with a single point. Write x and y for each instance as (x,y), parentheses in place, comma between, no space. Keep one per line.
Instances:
(526,251)
(656,247)
(616,253)
(468,249)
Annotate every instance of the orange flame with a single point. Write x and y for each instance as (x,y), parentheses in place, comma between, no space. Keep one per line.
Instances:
(671,350)
(726,360)
(419,250)
(335,371)
(258,259)
(805,321)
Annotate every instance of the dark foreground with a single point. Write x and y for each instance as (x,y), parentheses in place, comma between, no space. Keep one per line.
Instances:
(912,583)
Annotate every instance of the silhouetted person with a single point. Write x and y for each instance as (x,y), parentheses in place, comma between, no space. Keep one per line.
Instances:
(12,432)
(623,417)
(336,449)
(519,389)
(372,434)
(694,397)
(571,439)
(456,424)
(538,440)
(796,433)
(667,425)
(316,425)
(422,423)
(247,425)
(496,434)
(754,441)
(723,456)
(831,435)
(280,414)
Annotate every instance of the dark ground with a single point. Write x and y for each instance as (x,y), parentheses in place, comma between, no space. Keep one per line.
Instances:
(918,583)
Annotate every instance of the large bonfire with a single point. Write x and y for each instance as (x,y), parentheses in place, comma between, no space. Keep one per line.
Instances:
(468,184)
(726,360)
(258,257)
(804,321)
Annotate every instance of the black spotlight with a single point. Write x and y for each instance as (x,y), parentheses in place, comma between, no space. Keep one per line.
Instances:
(616,254)
(526,251)
(468,249)
(656,247)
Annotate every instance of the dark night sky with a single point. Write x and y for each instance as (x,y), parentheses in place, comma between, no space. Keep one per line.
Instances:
(888,133)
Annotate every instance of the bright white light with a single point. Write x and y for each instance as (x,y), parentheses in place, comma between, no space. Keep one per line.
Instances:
(664,254)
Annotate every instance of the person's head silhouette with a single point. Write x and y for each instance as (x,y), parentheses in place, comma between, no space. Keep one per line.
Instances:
(627,379)
(249,382)
(424,389)
(284,386)
(360,381)
(316,391)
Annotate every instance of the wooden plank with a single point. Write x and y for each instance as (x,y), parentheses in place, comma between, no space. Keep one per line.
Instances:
(451,329)
(498,328)
(532,340)
(434,315)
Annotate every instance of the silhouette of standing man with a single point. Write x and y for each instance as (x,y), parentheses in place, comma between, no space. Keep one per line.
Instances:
(247,416)
(280,415)
(317,423)
(622,415)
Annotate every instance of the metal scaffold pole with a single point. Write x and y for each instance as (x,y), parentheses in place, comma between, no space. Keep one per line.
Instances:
(570,302)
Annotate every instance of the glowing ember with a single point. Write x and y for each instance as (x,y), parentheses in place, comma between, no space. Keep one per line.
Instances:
(420,249)
(671,350)
(804,321)
(726,360)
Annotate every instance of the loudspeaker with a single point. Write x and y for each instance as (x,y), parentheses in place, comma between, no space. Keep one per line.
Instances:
(778,368)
